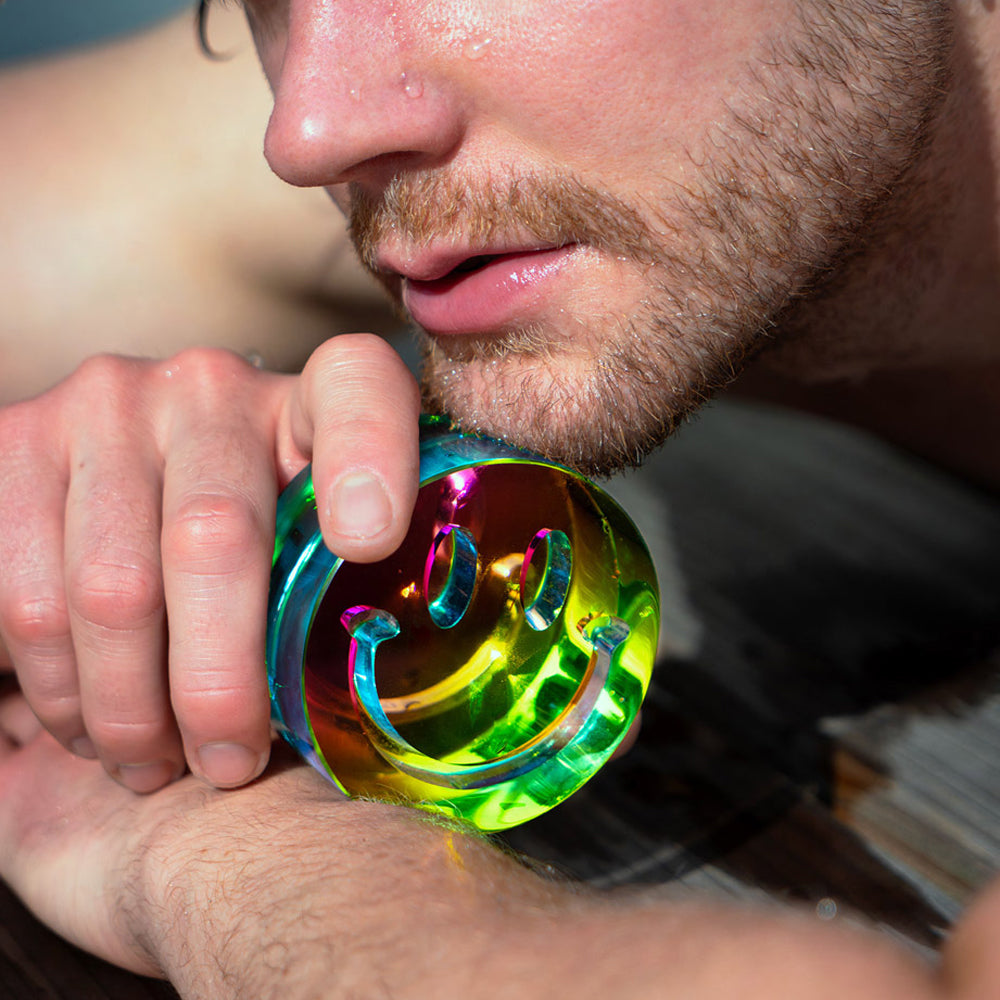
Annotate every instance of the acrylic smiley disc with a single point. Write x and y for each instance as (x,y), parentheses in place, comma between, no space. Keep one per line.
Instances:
(491,665)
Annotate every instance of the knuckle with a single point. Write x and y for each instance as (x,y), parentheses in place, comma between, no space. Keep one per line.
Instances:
(35,618)
(125,736)
(348,346)
(358,388)
(116,596)
(210,702)
(103,388)
(205,367)
(109,377)
(221,529)
(354,359)
(105,369)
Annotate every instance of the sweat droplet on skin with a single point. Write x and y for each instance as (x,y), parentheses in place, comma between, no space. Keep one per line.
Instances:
(412,85)
(477,48)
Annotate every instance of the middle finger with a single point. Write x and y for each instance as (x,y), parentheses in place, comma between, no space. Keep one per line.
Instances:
(117,606)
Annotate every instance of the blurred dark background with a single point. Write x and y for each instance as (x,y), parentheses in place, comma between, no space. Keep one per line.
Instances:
(34,27)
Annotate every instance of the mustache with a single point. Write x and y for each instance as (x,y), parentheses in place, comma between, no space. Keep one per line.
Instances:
(556,211)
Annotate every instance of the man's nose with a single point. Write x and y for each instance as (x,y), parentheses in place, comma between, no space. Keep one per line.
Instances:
(357,97)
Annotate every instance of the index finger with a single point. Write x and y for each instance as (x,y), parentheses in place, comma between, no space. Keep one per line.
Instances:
(218,535)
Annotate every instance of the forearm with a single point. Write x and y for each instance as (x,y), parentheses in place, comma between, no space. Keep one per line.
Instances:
(324,897)
(283,889)
(366,900)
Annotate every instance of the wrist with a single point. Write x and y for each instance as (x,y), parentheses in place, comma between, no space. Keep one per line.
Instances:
(234,894)
(285,888)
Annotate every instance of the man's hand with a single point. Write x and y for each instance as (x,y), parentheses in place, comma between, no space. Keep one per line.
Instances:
(95,862)
(136,532)
(281,887)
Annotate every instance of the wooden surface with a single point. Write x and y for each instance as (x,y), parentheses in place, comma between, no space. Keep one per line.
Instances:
(824,724)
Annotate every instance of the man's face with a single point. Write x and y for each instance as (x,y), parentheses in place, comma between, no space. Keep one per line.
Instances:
(596,210)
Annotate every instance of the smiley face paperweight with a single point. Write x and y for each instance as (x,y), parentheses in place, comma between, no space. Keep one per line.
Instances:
(487,668)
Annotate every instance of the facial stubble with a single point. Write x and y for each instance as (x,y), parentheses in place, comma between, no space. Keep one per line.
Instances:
(825,128)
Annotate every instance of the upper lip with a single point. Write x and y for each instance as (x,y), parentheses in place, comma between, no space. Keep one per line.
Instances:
(430,263)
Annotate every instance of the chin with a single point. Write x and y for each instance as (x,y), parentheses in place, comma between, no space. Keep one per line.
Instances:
(598,415)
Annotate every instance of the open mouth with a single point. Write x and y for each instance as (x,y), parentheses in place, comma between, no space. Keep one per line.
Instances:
(486,292)
(474,264)
(469,266)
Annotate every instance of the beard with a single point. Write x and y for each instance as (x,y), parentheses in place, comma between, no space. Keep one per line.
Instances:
(823,130)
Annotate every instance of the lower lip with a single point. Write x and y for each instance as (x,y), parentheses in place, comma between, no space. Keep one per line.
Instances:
(505,293)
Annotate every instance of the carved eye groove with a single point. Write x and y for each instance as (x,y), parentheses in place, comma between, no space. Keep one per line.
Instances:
(546,605)
(449,606)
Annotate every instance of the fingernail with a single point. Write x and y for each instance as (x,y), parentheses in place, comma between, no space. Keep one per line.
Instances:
(147,777)
(82,746)
(226,765)
(359,506)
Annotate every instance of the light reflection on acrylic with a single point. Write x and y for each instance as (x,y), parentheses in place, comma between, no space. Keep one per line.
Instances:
(491,665)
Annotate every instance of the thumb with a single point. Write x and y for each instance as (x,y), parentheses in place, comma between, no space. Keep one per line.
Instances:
(355,411)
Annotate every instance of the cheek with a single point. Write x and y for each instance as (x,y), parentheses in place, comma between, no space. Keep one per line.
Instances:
(608,82)
(271,52)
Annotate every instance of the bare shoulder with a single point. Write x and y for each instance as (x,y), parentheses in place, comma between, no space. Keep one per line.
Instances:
(141,217)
